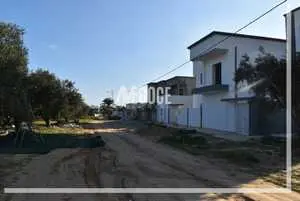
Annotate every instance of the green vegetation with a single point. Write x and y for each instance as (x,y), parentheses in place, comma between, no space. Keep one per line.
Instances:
(44,139)
(58,130)
(39,94)
(106,108)
(267,75)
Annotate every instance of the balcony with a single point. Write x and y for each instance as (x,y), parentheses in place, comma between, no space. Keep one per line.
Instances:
(216,88)
(211,53)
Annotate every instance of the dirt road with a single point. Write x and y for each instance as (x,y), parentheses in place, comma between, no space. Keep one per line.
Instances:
(131,161)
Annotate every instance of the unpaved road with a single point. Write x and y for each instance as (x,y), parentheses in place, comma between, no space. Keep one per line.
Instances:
(130,161)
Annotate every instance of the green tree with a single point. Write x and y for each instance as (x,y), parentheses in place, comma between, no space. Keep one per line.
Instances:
(45,94)
(13,71)
(106,108)
(267,78)
(93,110)
(73,104)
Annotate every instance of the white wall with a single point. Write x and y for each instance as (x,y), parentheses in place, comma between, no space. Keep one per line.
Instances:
(244,45)
(297,29)
(185,101)
(194,117)
(215,114)
(223,115)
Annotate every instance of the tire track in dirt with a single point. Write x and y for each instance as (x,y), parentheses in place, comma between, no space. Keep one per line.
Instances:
(136,153)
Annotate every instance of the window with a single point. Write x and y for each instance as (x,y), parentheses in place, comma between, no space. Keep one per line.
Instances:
(180,91)
(201,78)
(217,73)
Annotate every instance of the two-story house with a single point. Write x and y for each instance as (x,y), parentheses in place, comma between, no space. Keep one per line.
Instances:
(171,95)
(179,89)
(225,106)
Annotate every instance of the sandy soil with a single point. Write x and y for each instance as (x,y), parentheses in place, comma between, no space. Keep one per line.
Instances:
(131,161)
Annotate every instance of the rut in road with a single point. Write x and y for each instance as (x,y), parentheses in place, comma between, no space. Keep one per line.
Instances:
(131,161)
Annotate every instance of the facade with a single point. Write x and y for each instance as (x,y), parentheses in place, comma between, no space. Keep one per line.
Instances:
(224,105)
(180,90)
(294,24)
(293,57)
(179,97)
(293,33)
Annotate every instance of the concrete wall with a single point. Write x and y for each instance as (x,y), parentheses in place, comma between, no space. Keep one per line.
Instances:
(297,29)
(195,117)
(182,117)
(244,45)
(274,123)
(186,101)
(266,122)
(221,115)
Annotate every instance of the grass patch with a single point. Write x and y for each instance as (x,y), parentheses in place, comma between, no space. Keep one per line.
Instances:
(58,130)
(87,120)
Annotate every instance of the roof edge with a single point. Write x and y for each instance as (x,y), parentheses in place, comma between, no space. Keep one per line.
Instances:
(229,34)
(291,11)
(188,77)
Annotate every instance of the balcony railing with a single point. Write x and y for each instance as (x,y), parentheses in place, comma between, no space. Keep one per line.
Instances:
(211,88)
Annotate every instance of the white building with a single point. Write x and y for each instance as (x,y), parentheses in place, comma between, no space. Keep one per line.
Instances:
(293,30)
(222,105)
(170,96)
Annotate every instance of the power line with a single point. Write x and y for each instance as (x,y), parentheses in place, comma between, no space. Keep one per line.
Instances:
(221,41)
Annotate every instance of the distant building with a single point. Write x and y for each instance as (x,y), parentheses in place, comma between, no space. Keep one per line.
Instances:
(136,111)
(169,102)
(180,90)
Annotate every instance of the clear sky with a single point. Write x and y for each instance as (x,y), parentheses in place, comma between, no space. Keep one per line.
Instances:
(103,45)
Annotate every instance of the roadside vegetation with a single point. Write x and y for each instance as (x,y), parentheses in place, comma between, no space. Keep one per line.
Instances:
(42,139)
(263,157)
(26,94)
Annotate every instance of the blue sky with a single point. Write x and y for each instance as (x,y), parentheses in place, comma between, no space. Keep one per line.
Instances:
(103,45)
